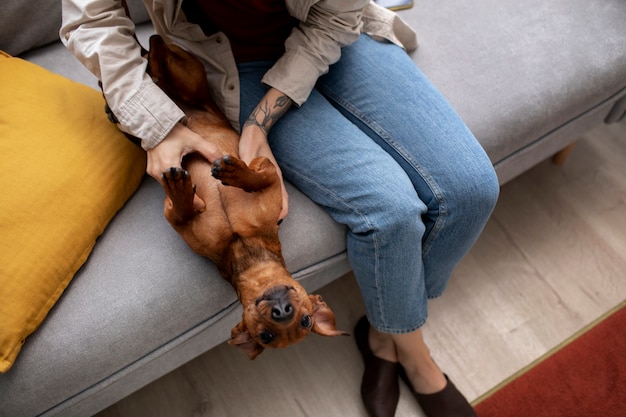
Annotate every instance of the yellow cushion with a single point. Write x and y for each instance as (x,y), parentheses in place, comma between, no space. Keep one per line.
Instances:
(65,170)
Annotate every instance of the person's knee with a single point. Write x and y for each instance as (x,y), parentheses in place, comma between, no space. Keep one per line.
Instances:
(477,193)
(488,189)
(398,213)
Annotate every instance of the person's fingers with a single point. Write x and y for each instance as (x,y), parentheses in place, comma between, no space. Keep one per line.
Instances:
(206,149)
(284,210)
(158,163)
(170,152)
(198,204)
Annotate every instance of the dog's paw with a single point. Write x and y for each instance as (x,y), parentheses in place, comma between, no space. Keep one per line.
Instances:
(232,171)
(175,180)
(225,168)
(181,203)
(177,183)
(174,174)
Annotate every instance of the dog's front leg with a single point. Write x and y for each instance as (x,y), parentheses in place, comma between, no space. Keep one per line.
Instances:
(179,204)
(234,172)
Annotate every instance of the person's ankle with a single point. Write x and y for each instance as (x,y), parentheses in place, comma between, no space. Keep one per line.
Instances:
(382,346)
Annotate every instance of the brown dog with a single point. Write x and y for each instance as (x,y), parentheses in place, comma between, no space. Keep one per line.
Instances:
(234,221)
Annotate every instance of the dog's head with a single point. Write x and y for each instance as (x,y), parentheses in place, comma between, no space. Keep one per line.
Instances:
(279,315)
(179,74)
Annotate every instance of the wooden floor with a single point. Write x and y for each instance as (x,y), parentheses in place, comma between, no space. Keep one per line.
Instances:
(551,260)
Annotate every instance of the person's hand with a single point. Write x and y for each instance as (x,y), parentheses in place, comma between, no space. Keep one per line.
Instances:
(169,153)
(253,141)
(252,144)
(179,142)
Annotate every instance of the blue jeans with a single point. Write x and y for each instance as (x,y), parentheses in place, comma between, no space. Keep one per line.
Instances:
(380,149)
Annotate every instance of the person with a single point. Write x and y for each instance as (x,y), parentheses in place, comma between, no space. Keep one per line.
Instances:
(327,90)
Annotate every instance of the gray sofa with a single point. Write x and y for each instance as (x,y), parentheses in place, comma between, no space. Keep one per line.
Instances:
(528,77)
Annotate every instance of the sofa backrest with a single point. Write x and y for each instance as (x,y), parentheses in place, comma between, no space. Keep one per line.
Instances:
(25,24)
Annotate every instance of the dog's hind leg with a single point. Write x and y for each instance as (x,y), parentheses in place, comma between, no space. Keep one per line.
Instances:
(234,172)
(179,204)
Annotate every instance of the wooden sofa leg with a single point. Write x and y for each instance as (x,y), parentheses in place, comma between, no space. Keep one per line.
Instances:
(560,157)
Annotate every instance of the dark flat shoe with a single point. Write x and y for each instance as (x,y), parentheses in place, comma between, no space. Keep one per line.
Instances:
(380,389)
(449,402)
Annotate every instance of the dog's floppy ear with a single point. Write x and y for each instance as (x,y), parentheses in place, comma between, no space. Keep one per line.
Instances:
(156,57)
(240,337)
(324,318)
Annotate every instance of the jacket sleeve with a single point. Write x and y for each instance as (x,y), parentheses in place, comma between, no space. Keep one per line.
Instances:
(314,45)
(99,34)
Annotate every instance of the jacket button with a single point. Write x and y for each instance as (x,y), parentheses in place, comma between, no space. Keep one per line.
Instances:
(231,87)
(218,39)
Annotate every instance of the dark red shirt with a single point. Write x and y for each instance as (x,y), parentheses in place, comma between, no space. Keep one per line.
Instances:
(256,29)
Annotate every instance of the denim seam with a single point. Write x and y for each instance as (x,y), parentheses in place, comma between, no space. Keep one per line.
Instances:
(328,192)
(441,217)
(385,136)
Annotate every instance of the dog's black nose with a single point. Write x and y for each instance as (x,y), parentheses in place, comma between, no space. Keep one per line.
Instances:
(282,311)
(280,303)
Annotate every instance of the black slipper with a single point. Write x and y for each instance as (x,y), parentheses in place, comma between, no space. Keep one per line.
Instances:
(449,402)
(380,389)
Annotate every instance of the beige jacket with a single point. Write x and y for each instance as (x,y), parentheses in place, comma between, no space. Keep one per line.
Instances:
(98,34)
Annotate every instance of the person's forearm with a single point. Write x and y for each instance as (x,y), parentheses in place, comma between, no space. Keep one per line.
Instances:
(99,34)
(269,110)
(253,142)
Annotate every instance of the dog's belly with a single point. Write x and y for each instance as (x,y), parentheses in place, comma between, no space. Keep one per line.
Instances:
(229,213)
(214,129)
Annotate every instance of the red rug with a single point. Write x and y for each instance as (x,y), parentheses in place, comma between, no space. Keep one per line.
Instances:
(584,377)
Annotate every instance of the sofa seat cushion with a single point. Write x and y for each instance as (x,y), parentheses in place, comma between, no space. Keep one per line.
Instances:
(142,294)
(517,72)
(66,171)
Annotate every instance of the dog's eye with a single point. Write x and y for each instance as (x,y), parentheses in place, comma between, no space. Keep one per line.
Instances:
(266,337)
(306,321)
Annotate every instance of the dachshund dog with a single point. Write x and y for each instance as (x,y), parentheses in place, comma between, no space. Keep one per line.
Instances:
(228,212)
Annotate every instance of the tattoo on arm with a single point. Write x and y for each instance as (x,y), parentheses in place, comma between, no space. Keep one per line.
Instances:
(267,113)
